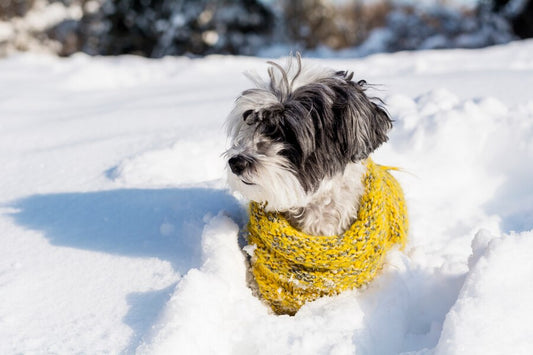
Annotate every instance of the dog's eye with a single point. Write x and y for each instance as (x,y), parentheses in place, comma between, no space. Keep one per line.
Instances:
(272,131)
(246,114)
(262,146)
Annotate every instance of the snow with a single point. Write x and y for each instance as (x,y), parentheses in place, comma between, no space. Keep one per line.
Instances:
(497,266)
(118,233)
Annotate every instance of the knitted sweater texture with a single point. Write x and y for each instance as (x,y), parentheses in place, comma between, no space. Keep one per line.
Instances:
(291,267)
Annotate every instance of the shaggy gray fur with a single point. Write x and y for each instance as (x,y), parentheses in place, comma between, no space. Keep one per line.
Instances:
(323,125)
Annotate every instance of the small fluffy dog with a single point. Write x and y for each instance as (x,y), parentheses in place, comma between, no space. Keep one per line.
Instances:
(298,142)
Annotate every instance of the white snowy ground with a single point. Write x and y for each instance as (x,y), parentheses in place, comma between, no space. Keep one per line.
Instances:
(117,233)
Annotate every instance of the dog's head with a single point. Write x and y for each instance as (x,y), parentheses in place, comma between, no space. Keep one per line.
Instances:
(297,129)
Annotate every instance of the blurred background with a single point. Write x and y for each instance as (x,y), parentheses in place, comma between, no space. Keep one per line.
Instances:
(156,28)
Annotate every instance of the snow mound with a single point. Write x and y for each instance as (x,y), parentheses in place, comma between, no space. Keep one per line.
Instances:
(186,162)
(407,308)
(487,318)
(387,317)
(215,303)
(452,145)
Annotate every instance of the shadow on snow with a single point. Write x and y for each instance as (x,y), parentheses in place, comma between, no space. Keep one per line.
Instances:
(166,224)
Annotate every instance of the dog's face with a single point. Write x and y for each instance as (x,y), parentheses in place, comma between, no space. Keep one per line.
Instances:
(296,130)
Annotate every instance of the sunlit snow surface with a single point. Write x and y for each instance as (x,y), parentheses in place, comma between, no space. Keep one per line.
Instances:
(117,233)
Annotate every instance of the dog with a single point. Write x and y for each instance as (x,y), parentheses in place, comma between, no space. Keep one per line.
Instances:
(298,143)
(322,213)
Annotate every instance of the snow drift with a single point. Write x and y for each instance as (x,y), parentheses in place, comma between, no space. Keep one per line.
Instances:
(118,234)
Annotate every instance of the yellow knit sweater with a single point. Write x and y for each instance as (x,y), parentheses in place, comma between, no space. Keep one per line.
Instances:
(291,267)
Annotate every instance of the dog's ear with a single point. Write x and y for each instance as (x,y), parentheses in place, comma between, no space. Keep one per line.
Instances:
(379,126)
(364,124)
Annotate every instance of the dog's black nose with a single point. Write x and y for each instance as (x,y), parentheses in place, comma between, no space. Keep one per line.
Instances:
(238,164)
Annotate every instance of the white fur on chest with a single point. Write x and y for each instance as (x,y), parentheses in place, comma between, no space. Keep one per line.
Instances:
(332,209)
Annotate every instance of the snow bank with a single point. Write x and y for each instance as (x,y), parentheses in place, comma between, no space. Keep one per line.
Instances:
(393,315)
(167,166)
(214,303)
(488,317)
(459,158)
(118,234)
